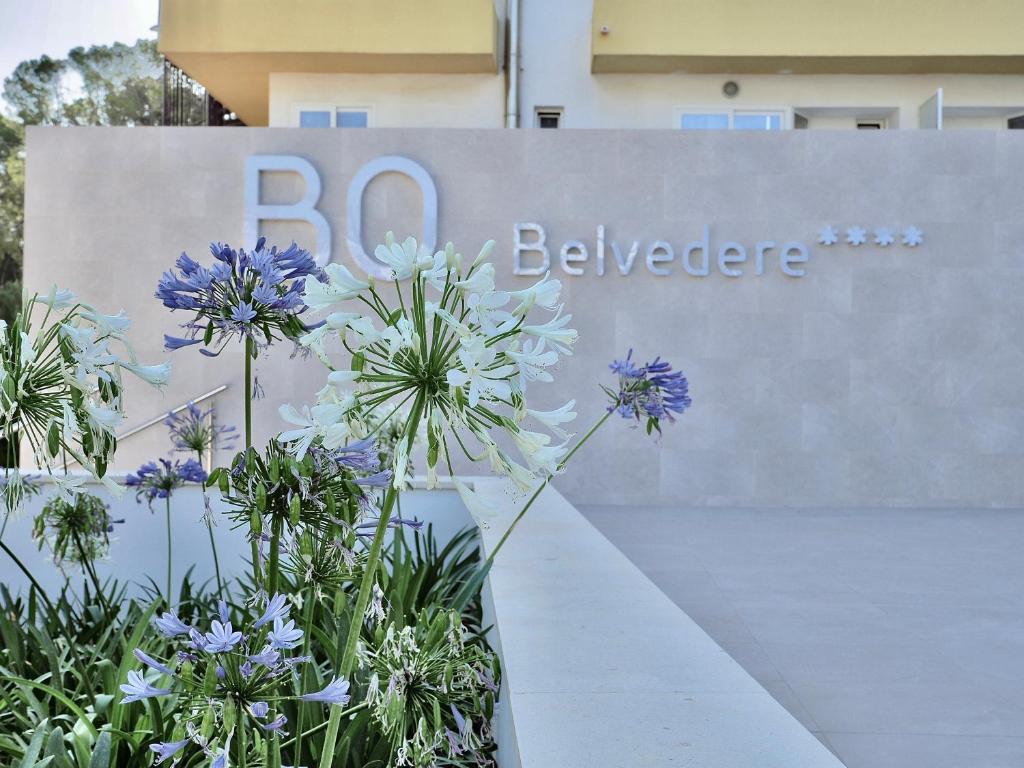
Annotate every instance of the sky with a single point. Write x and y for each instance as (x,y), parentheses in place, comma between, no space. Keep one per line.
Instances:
(30,28)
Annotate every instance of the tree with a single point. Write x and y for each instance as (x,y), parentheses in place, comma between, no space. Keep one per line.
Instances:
(12,188)
(101,85)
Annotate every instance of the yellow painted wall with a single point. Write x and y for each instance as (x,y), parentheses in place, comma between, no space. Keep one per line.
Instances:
(647,35)
(233,46)
(329,26)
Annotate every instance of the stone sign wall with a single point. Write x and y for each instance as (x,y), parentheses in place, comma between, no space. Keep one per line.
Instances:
(846,305)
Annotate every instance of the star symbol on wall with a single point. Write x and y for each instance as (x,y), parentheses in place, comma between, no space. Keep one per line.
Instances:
(828,235)
(856,236)
(884,237)
(912,237)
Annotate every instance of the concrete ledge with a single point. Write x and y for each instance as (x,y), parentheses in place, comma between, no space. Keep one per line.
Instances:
(602,669)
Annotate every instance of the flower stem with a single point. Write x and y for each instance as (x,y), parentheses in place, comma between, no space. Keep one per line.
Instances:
(209,530)
(254,534)
(170,603)
(348,657)
(243,746)
(323,724)
(248,391)
(501,541)
(216,561)
(307,623)
(91,573)
(275,555)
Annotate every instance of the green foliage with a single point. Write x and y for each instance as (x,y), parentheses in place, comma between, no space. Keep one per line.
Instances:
(12,189)
(61,663)
(77,530)
(101,85)
(432,691)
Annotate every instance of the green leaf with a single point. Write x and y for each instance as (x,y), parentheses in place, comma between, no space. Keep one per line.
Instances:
(53,439)
(101,752)
(34,746)
(55,748)
(62,698)
(102,702)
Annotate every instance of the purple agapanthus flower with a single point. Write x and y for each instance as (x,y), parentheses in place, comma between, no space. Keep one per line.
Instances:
(276,724)
(284,635)
(370,525)
(651,393)
(246,680)
(360,456)
(194,431)
(255,295)
(152,663)
(277,608)
(167,750)
(170,625)
(137,689)
(158,481)
(221,637)
(336,692)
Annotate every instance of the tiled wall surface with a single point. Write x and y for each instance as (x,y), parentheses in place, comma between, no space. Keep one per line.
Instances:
(885,376)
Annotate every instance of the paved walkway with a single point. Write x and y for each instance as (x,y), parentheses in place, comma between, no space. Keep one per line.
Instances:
(895,636)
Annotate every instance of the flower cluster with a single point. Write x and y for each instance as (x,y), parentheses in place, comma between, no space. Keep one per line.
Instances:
(313,507)
(253,295)
(194,430)
(650,392)
(433,693)
(61,389)
(460,351)
(226,680)
(157,481)
(76,530)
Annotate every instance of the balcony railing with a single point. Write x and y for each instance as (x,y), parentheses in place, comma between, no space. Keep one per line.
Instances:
(187,102)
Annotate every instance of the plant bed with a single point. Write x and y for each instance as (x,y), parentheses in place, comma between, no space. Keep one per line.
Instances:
(336,630)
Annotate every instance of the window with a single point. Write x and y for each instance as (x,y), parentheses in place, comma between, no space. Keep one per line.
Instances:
(351,118)
(317,116)
(548,117)
(757,121)
(738,120)
(698,122)
(314,118)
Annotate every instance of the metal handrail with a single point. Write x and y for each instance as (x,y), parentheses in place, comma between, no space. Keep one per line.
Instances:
(159,419)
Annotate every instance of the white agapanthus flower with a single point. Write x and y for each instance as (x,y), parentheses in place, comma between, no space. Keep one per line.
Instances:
(455,351)
(61,389)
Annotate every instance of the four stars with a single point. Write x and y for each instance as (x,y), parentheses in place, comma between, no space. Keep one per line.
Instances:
(883,236)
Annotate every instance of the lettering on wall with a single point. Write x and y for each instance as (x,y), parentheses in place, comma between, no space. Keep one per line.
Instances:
(532,254)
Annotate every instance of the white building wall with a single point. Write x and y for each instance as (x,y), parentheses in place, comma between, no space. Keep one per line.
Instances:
(555,72)
(394,100)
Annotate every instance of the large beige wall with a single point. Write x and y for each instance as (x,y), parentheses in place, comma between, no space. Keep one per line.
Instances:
(884,376)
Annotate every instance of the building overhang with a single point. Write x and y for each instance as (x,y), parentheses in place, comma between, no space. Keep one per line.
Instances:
(232,46)
(808,36)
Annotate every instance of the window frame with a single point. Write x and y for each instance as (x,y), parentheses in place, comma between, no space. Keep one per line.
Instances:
(538,111)
(785,115)
(312,106)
